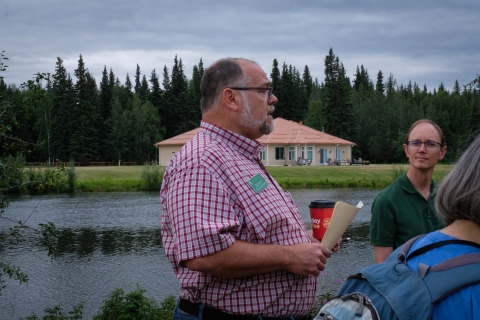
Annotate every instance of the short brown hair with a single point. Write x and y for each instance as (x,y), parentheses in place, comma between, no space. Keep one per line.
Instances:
(416,123)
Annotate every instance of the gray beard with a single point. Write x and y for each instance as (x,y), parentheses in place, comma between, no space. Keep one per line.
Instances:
(249,121)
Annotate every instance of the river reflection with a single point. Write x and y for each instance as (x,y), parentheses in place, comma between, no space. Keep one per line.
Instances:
(112,240)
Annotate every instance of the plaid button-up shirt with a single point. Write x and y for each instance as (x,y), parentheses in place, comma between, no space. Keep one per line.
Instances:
(208,204)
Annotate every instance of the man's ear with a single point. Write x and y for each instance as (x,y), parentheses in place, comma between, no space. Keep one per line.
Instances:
(231,99)
(443,151)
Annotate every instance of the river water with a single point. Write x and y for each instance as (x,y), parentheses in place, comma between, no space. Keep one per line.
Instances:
(112,240)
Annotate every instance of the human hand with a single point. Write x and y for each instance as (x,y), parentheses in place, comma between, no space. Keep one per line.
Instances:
(307,258)
(337,246)
(311,237)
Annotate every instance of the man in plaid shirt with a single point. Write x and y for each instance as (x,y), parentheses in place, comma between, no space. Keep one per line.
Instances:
(235,239)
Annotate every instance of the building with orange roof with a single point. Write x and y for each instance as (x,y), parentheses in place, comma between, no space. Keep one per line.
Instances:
(290,143)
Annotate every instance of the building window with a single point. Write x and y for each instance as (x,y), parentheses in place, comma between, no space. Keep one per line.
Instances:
(310,153)
(262,155)
(291,153)
(279,153)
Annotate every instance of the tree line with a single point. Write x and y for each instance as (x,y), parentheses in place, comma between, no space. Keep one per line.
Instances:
(65,119)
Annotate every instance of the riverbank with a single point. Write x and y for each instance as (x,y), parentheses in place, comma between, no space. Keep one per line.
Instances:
(129,178)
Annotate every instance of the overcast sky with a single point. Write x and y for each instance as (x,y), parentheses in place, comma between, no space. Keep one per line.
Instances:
(427,42)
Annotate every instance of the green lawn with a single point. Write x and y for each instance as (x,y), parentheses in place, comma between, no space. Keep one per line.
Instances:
(128,177)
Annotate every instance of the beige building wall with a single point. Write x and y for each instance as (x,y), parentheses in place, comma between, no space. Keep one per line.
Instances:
(166,153)
(344,152)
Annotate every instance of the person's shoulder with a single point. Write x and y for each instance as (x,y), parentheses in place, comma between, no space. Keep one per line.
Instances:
(393,188)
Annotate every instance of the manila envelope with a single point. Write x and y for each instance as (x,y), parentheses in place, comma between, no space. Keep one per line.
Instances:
(343,214)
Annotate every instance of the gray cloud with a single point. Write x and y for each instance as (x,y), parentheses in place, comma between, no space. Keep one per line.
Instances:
(427,42)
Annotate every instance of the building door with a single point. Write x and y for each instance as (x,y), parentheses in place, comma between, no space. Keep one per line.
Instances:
(323,155)
(291,153)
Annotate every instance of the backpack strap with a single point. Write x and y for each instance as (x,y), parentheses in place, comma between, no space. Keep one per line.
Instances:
(452,275)
(405,249)
(431,246)
(448,276)
(410,296)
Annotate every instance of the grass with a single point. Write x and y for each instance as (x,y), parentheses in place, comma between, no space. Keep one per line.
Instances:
(111,178)
(376,176)
(129,178)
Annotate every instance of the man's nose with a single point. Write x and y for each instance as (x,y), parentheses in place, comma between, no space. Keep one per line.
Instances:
(423,147)
(273,99)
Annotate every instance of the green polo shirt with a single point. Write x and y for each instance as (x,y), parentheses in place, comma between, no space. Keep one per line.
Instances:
(400,212)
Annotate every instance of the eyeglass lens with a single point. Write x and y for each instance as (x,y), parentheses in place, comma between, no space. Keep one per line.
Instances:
(427,144)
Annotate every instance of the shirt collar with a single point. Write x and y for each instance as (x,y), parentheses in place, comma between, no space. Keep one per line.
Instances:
(236,141)
(407,185)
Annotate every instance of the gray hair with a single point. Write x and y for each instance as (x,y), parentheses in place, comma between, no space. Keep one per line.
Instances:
(458,196)
(220,75)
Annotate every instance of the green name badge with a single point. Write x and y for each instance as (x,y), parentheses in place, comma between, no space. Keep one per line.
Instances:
(258,183)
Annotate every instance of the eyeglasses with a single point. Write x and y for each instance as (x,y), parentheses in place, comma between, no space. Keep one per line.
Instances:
(429,145)
(269,89)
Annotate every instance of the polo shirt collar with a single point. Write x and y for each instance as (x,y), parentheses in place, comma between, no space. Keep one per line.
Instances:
(236,141)
(407,185)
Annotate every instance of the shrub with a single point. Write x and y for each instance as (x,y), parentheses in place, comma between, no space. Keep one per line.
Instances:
(135,305)
(329,286)
(56,313)
(151,177)
(58,179)
(11,173)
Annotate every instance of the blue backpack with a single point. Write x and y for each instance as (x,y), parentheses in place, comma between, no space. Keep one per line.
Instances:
(391,290)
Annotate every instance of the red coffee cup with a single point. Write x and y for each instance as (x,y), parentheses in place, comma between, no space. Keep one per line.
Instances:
(321,212)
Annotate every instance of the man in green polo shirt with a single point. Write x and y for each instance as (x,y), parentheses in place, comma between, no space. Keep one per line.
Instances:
(405,208)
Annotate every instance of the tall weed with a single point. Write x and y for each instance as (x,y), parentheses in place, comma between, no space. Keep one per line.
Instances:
(152,177)
(57,179)
(71,177)
(397,171)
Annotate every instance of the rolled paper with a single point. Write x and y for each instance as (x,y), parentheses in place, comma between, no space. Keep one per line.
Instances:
(342,216)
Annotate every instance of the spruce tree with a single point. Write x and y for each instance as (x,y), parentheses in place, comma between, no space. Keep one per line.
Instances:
(166,111)
(105,112)
(300,103)
(118,138)
(112,80)
(338,106)
(156,93)
(275,77)
(306,88)
(286,95)
(194,110)
(456,88)
(315,118)
(138,84)
(178,95)
(84,143)
(380,87)
(40,97)
(128,83)
(63,108)
(144,89)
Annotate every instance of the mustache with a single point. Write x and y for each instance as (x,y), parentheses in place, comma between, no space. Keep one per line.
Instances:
(271,109)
